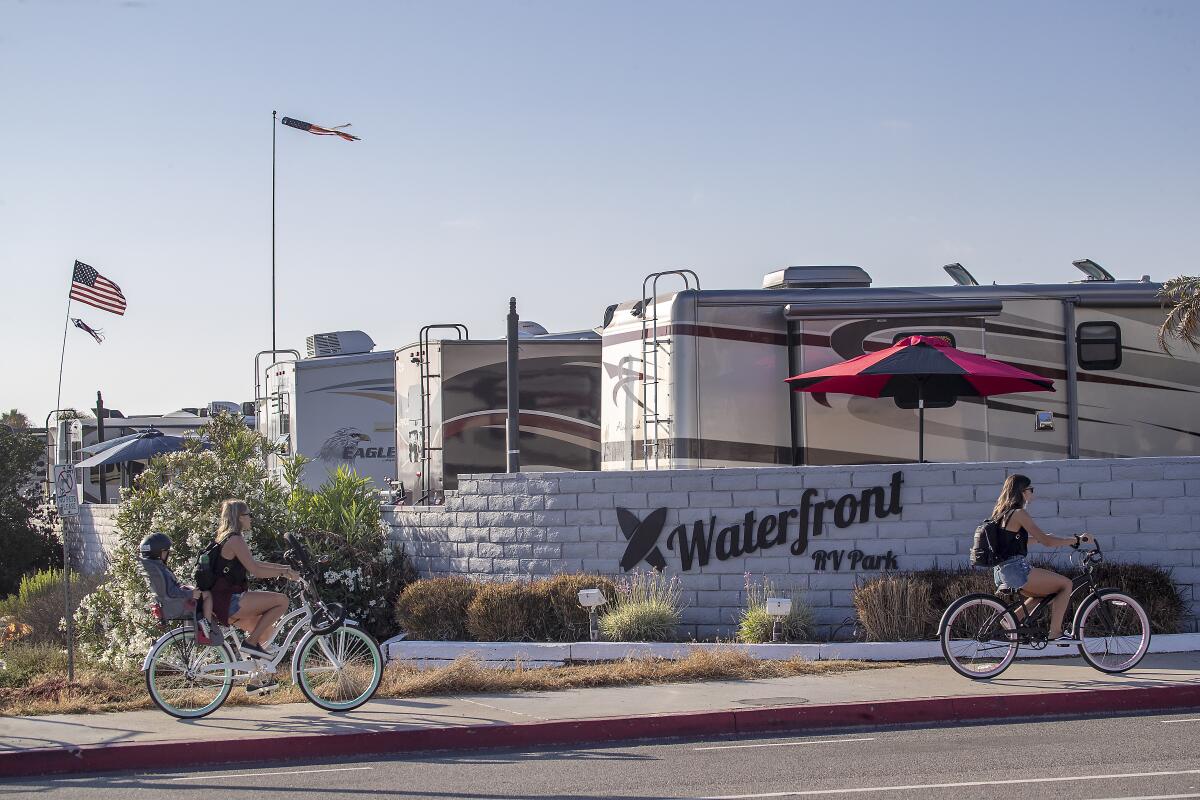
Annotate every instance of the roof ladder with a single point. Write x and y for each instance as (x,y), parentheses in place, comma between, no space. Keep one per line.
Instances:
(424,485)
(654,425)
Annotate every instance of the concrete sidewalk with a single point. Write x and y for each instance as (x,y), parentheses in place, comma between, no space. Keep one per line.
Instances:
(923,692)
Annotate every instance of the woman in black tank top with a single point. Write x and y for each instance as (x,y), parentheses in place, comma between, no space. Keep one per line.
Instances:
(1015,572)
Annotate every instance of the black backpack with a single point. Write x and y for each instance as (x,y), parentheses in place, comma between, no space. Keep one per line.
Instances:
(209,565)
(987,549)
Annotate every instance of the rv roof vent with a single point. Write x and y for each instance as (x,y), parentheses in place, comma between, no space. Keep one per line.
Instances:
(527,327)
(339,343)
(817,278)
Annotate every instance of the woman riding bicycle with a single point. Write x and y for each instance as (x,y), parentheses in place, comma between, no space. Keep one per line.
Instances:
(254,612)
(1015,572)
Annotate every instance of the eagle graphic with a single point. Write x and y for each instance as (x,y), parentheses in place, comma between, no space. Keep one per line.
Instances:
(335,446)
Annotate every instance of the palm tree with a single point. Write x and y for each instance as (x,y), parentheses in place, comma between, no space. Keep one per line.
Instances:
(1181,297)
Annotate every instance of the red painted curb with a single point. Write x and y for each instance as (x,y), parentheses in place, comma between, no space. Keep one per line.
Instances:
(173,754)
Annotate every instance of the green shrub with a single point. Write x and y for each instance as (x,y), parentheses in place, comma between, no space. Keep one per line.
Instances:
(566,620)
(25,662)
(648,609)
(38,603)
(508,612)
(755,625)
(436,608)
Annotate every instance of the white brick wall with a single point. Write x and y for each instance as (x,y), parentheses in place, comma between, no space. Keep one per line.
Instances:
(97,537)
(505,526)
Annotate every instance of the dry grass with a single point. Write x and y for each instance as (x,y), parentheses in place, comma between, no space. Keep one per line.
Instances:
(95,691)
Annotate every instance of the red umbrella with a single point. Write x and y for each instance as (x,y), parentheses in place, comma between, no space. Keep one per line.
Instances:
(916,367)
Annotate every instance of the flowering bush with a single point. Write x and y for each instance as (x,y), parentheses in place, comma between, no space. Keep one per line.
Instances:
(180,494)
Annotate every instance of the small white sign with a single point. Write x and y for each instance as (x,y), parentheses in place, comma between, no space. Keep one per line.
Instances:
(64,490)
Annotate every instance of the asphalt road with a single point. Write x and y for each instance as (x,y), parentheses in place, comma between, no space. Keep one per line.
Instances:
(1143,757)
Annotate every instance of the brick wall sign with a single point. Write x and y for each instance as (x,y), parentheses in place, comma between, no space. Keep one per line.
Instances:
(759,531)
(816,531)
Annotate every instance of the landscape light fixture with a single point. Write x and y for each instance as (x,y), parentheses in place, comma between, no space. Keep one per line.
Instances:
(1094,271)
(778,608)
(592,599)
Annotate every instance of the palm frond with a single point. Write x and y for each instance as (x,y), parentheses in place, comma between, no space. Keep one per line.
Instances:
(1181,297)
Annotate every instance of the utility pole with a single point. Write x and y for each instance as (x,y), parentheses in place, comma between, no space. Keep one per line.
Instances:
(513,426)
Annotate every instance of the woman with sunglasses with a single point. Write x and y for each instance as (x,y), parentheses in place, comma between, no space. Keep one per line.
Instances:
(254,612)
(1014,572)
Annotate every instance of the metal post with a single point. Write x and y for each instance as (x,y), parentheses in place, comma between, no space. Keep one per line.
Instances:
(1072,365)
(100,438)
(513,426)
(274,114)
(66,537)
(921,423)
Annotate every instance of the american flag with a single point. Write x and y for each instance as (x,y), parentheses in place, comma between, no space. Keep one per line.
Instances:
(90,287)
(300,124)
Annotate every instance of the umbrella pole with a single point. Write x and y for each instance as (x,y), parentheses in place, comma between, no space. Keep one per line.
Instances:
(920,423)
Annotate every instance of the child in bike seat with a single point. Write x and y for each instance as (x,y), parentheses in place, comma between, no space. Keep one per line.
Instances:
(1014,571)
(176,600)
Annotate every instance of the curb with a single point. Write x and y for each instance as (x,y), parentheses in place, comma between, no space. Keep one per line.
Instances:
(172,754)
(544,654)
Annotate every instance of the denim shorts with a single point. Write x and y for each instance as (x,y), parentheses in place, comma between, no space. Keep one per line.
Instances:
(235,601)
(1010,574)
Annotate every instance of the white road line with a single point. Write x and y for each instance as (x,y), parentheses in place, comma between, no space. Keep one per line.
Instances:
(785,744)
(1169,721)
(258,774)
(964,784)
(1154,797)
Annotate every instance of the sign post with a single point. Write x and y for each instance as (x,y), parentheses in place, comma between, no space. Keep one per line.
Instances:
(67,499)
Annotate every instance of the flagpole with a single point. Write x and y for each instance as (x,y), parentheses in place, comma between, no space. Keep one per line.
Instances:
(274,126)
(66,533)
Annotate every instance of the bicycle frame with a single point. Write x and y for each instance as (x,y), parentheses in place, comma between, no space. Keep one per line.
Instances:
(1083,589)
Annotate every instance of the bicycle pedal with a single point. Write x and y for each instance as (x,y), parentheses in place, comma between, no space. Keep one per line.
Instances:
(261,691)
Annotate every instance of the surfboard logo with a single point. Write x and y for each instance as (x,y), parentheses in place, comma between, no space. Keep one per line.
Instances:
(643,539)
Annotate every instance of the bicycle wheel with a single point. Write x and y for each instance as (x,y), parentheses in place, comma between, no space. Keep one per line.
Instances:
(188,680)
(1113,631)
(340,670)
(978,636)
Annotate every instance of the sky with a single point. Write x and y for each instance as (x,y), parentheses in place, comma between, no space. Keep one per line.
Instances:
(556,152)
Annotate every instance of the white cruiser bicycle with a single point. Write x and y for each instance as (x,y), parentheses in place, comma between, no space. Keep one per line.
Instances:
(336,664)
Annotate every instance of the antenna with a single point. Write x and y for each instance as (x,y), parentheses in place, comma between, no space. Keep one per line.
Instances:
(1094,271)
(960,274)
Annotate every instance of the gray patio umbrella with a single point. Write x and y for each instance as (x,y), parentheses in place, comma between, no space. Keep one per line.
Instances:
(137,447)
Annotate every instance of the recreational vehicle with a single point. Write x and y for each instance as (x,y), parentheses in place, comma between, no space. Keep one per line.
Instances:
(695,377)
(451,406)
(336,407)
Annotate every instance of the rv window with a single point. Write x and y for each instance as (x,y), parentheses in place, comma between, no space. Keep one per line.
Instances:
(949,337)
(1099,345)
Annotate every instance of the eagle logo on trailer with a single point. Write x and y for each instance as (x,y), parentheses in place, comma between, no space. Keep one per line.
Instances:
(342,446)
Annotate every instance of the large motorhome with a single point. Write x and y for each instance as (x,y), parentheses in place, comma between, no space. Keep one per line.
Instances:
(451,406)
(336,406)
(695,378)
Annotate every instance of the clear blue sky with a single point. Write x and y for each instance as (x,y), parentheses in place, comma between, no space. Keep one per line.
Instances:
(556,151)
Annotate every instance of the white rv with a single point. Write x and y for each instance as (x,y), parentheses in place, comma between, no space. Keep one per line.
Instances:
(451,406)
(695,378)
(337,406)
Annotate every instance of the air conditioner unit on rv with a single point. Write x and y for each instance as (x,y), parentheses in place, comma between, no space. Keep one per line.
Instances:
(216,406)
(339,343)
(817,277)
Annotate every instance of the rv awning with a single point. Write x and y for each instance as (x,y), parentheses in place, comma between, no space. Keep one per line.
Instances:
(907,307)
